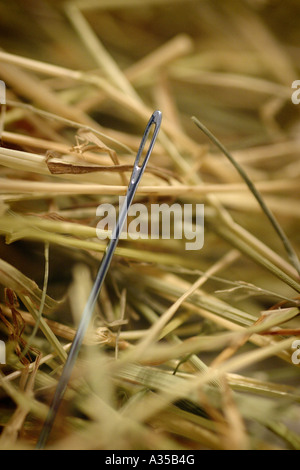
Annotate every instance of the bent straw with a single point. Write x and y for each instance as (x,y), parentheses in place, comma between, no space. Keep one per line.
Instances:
(137,172)
(277,227)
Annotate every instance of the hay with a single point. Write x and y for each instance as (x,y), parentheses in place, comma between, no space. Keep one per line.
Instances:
(188,349)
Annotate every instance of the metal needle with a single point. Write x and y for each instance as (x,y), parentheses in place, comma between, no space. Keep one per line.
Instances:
(137,172)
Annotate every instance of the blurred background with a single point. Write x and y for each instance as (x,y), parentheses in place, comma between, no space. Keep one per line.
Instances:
(228,66)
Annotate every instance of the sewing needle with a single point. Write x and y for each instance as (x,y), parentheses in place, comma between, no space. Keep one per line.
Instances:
(137,172)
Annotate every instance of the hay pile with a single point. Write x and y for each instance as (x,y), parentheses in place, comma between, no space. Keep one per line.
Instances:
(189,349)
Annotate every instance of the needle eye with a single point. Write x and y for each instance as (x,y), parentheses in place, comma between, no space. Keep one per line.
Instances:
(155,121)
